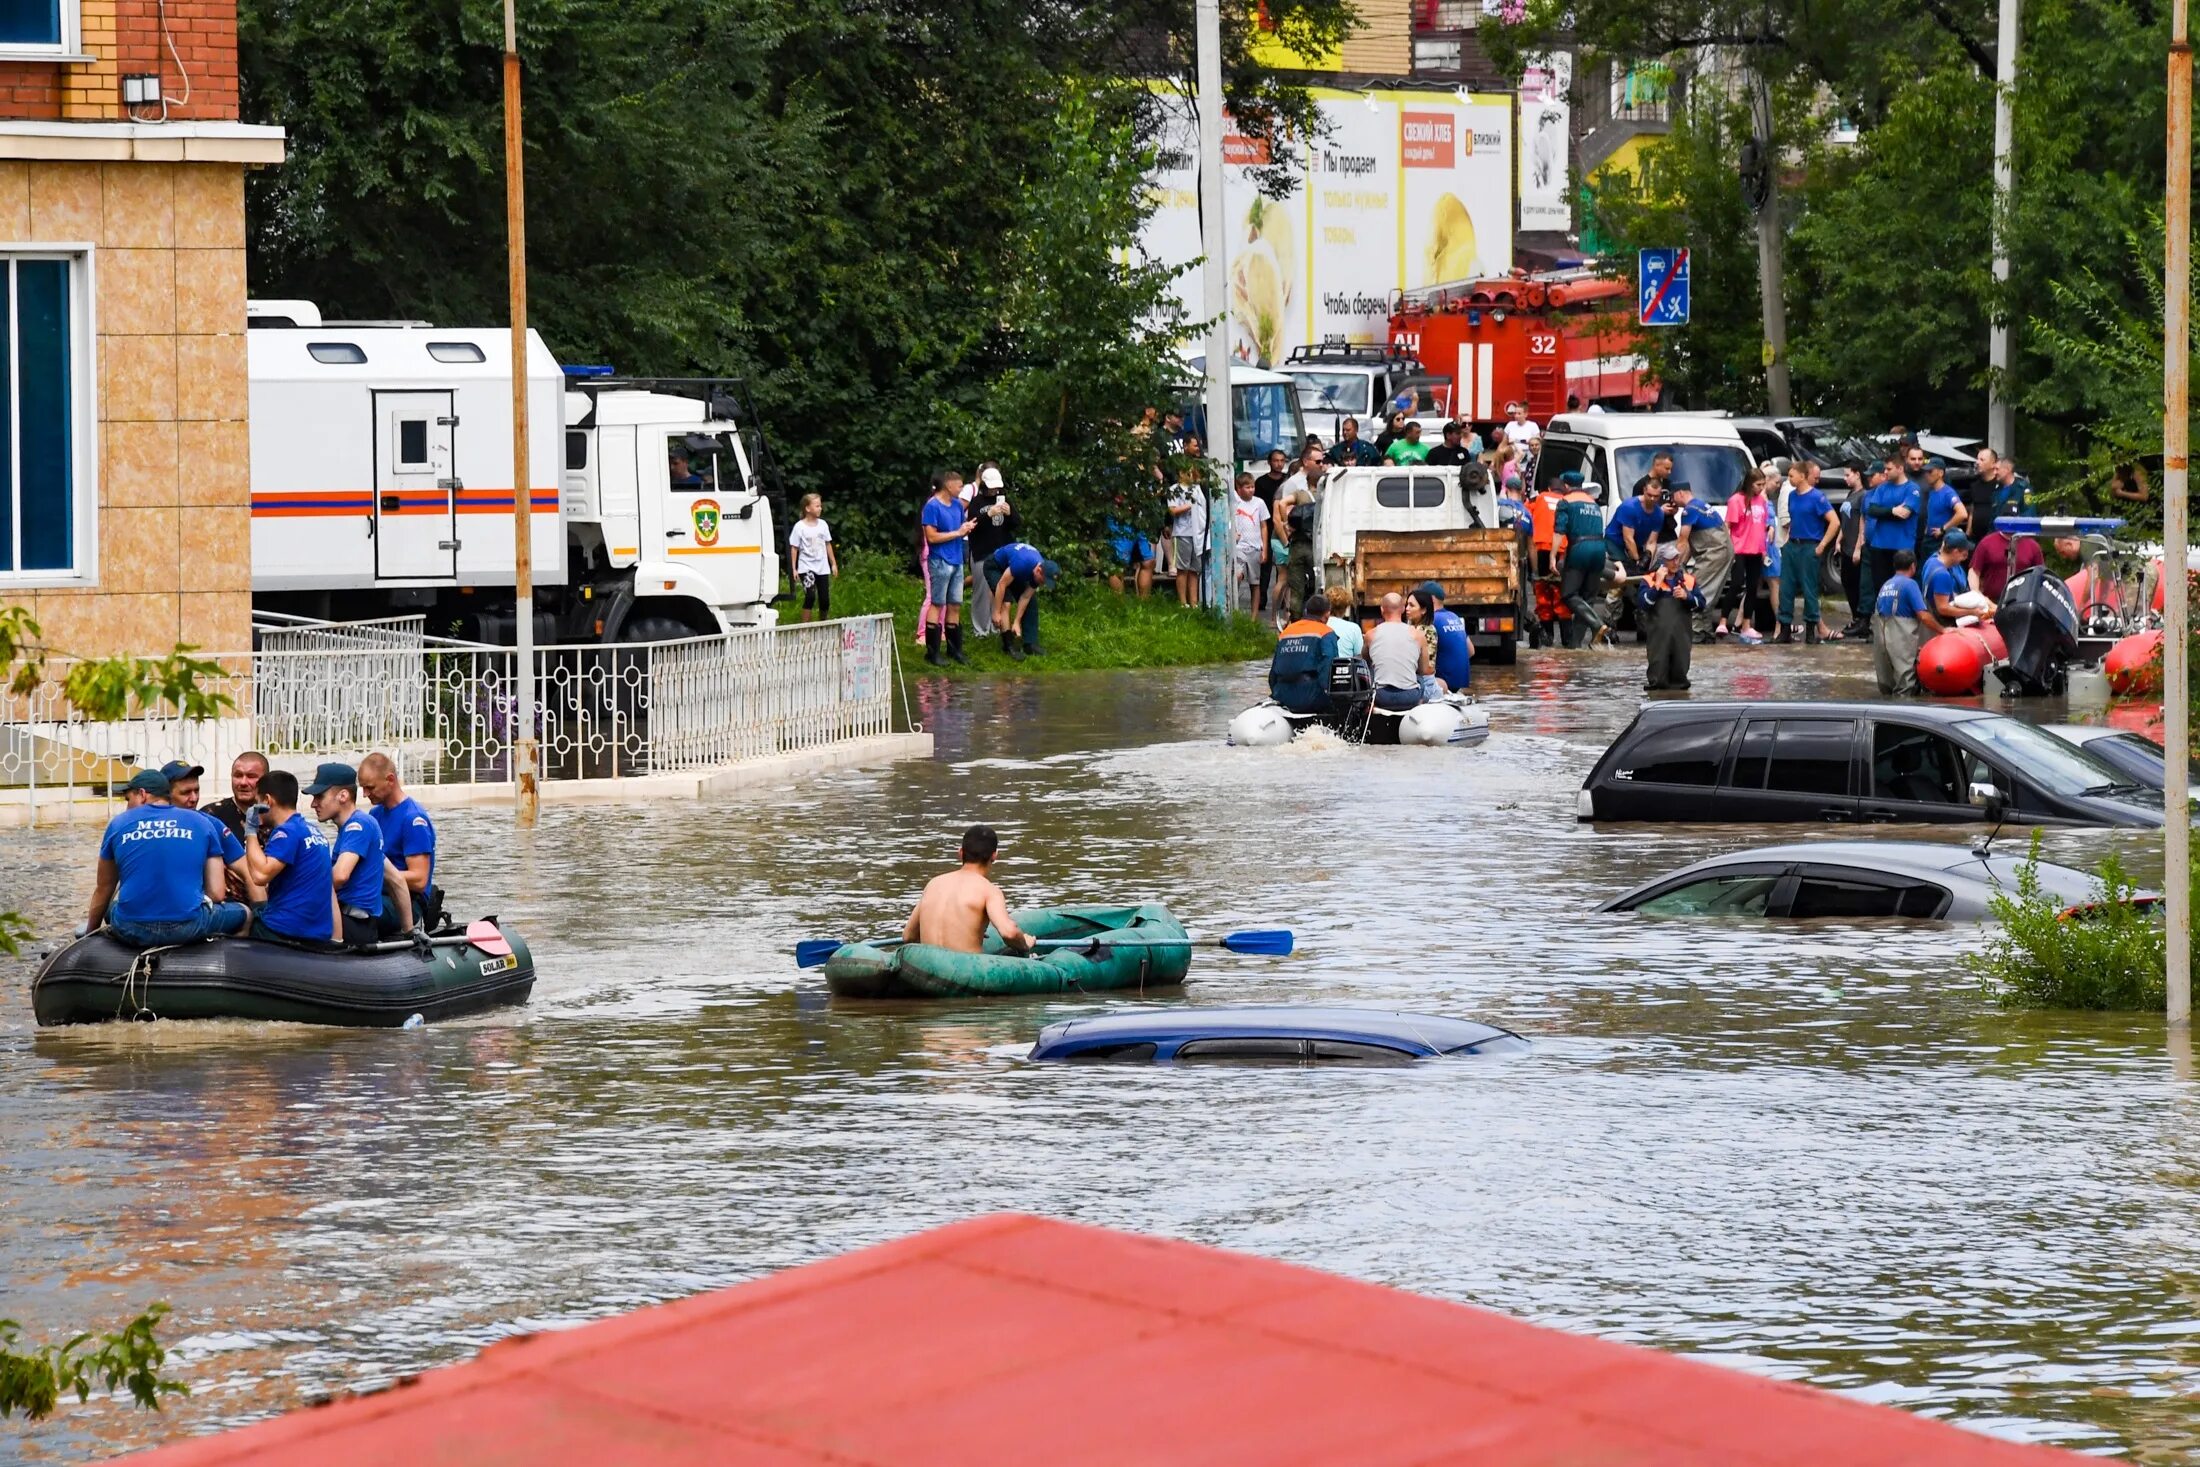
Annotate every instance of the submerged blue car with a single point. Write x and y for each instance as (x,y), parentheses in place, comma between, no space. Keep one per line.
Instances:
(1264,1035)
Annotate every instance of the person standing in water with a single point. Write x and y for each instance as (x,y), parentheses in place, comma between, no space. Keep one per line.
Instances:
(956,907)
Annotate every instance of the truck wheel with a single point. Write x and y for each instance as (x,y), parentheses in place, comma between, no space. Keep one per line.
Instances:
(654,629)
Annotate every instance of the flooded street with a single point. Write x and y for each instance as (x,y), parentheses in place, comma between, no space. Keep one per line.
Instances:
(1808,1150)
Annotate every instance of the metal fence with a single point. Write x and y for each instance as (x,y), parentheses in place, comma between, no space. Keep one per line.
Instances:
(446,712)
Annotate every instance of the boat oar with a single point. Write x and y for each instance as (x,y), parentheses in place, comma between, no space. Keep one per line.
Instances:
(1265,942)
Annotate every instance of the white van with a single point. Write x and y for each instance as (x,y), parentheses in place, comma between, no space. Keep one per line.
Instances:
(1614,450)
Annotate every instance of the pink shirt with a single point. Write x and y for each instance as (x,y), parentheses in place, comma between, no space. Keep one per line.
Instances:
(1746,520)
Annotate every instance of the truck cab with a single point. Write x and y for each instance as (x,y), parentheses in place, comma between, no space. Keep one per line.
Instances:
(1386,529)
(668,528)
(1336,381)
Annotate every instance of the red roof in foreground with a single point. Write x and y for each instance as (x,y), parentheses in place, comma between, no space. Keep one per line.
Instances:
(1017,1339)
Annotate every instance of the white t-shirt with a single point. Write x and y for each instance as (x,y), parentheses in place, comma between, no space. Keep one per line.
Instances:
(1249,522)
(1394,651)
(808,540)
(1524,431)
(1193,523)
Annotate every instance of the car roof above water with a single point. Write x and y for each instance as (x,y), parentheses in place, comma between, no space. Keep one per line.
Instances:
(1696,709)
(1999,866)
(1418,1033)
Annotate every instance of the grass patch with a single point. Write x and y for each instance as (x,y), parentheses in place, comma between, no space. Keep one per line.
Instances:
(2112,958)
(1083,625)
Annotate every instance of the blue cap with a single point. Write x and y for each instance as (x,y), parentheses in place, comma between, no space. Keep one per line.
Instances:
(1955,540)
(1571,476)
(152,781)
(1431,590)
(176,769)
(1052,571)
(329,776)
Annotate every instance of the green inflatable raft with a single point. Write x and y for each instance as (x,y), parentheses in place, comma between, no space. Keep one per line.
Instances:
(1109,949)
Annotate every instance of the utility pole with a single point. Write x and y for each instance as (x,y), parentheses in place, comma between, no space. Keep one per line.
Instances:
(523,495)
(1770,249)
(1215,271)
(2001,408)
(2176,433)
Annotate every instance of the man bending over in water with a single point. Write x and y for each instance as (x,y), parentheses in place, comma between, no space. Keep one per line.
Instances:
(955,908)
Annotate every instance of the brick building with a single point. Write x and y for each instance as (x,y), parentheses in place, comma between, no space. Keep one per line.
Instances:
(124,483)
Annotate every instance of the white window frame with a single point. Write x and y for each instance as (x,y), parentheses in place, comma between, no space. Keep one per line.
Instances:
(69,48)
(83,420)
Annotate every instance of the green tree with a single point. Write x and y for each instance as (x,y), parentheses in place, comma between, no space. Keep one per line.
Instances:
(33,1381)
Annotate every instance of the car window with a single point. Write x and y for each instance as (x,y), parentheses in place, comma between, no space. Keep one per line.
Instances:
(1918,766)
(1687,753)
(2135,754)
(1332,392)
(1348,1052)
(1713,470)
(2047,761)
(1764,444)
(1428,493)
(1753,755)
(1121,1054)
(1558,458)
(1393,492)
(1810,756)
(1262,1050)
(1725,895)
(1821,894)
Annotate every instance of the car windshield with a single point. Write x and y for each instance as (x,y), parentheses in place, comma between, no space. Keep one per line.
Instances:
(2039,756)
(1333,392)
(1832,446)
(1731,895)
(1713,470)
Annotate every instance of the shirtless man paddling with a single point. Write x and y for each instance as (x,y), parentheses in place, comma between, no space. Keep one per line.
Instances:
(955,908)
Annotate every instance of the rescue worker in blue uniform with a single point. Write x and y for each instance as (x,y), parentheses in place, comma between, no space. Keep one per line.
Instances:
(289,855)
(1454,649)
(1014,573)
(1581,574)
(1298,673)
(1669,600)
(160,877)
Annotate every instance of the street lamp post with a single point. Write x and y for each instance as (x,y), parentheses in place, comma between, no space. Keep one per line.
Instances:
(523,497)
(2001,408)
(1215,271)
(2176,424)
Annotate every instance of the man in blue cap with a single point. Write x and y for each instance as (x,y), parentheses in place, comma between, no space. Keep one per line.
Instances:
(288,854)
(1019,571)
(358,869)
(160,876)
(1454,648)
(183,793)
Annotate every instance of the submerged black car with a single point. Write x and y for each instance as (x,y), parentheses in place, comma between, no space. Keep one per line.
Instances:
(1790,762)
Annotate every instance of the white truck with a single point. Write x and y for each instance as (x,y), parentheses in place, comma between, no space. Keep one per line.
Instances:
(1378,530)
(382,480)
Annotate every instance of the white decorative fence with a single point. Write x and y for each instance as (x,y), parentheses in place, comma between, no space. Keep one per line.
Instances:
(446,712)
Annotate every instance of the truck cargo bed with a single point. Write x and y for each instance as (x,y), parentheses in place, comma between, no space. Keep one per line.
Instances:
(1475,567)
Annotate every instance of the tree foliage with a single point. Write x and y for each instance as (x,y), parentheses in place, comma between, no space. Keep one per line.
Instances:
(33,1381)
(860,210)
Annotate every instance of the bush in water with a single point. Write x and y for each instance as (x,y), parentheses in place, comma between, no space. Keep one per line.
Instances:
(2110,958)
(32,1381)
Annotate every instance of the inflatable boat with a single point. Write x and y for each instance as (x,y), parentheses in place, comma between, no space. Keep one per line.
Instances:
(1086,950)
(1451,719)
(100,978)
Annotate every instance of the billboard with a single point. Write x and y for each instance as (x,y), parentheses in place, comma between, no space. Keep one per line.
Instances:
(1403,189)
(1546,145)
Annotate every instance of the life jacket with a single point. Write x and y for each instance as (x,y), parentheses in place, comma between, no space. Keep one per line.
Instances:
(1543,518)
(1660,583)
(1298,674)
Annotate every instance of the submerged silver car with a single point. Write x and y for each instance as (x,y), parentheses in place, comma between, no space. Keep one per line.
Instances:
(1849,879)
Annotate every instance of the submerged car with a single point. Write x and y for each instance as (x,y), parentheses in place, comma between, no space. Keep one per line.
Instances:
(2135,755)
(1269,1035)
(1849,762)
(1889,878)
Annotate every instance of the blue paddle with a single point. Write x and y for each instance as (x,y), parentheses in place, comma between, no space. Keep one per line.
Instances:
(1265,942)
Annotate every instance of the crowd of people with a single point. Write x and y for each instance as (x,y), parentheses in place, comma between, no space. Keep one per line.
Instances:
(254,865)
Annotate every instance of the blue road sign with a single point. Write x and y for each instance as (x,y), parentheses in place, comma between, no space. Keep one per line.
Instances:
(1661,287)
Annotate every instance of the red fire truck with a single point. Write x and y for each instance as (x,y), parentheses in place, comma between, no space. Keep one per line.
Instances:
(1533,338)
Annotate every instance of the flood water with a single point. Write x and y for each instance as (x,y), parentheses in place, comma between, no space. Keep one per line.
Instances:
(1810,1151)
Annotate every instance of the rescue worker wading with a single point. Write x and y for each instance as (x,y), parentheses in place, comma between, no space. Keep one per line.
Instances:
(1581,574)
(1668,598)
(1298,673)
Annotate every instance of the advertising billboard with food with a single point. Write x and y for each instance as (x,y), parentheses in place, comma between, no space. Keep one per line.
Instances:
(1403,189)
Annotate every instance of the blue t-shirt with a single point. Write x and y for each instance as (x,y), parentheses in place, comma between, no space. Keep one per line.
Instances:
(406,831)
(1943,579)
(1901,596)
(160,859)
(1019,560)
(232,849)
(1454,651)
(298,897)
(1634,515)
(1695,515)
(361,837)
(946,518)
(1807,515)
(1884,531)
(1941,509)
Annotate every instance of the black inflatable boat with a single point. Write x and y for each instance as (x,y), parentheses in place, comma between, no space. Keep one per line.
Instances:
(98,979)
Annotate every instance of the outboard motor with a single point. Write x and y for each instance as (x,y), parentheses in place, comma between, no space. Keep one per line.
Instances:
(2039,619)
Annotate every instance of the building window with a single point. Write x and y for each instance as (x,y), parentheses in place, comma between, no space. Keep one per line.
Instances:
(48,482)
(38,25)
